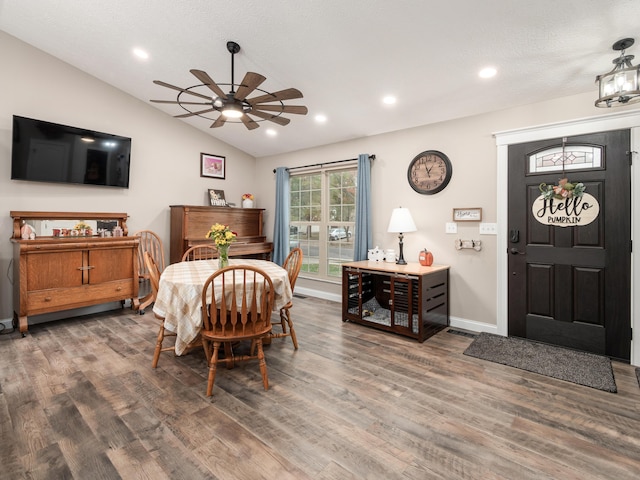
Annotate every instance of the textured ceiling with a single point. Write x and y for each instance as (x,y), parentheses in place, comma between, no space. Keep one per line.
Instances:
(344,55)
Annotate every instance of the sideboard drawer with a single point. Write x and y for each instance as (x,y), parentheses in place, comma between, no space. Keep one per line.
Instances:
(41,301)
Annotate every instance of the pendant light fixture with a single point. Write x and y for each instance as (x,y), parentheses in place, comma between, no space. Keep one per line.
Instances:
(620,86)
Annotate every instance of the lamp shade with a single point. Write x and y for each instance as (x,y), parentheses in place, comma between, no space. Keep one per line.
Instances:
(401,221)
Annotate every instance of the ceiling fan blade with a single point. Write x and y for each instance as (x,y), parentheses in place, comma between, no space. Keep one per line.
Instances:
(273,118)
(288,94)
(248,122)
(250,82)
(297,109)
(219,122)
(168,85)
(208,81)
(191,114)
(180,103)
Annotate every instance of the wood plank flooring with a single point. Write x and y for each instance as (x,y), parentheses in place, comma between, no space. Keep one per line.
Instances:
(79,400)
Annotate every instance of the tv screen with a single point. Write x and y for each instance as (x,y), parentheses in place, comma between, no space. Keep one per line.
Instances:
(49,152)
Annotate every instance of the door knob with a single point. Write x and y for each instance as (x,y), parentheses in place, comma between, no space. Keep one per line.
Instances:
(515,251)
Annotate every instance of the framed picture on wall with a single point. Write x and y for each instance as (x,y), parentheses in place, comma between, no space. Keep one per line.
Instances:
(212,166)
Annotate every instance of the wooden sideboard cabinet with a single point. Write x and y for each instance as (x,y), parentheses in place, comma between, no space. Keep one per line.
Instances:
(190,224)
(53,273)
(410,300)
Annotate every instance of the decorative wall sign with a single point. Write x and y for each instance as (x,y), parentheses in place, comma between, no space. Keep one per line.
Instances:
(569,211)
(565,205)
(467,214)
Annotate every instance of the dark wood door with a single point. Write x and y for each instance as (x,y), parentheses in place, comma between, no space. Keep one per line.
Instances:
(570,285)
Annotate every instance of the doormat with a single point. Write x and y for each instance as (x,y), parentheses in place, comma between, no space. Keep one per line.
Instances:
(583,368)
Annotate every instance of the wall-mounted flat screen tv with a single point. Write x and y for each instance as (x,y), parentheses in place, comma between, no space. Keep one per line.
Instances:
(49,152)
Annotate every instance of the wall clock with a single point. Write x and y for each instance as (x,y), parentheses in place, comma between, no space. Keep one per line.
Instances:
(429,172)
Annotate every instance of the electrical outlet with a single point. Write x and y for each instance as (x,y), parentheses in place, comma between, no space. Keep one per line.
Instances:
(488,229)
(451,227)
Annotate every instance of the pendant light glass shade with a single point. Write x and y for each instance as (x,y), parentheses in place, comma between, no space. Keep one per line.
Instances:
(620,86)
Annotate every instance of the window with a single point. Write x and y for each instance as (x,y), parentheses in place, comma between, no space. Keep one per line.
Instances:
(573,157)
(322,223)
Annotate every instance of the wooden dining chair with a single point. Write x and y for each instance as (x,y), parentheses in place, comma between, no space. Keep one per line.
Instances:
(292,265)
(236,306)
(200,252)
(154,278)
(149,242)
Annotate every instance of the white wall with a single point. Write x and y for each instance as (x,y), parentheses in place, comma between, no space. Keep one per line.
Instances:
(165,157)
(470,145)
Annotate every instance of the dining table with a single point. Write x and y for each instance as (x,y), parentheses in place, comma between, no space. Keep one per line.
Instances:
(179,298)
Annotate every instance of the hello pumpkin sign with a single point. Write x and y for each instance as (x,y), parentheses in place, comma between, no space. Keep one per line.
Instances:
(565,205)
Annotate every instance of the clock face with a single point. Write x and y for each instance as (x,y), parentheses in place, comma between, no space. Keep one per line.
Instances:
(429,172)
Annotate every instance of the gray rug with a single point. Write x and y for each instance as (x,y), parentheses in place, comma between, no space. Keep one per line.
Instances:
(583,368)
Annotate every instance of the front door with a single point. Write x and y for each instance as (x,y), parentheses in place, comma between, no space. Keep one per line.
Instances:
(569,275)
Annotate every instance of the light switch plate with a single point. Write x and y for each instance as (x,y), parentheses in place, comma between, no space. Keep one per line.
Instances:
(488,229)
(451,227)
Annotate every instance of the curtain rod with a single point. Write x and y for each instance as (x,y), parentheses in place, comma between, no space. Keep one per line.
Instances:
(371,157)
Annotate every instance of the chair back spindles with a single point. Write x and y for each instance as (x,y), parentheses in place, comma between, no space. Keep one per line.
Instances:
(149,242)
(200,252)
(236,305)
(292,264)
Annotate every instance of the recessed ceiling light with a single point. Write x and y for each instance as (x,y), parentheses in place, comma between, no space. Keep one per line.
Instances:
(487,72)
(271,132)
(140,53)
(389,100)
(321,118)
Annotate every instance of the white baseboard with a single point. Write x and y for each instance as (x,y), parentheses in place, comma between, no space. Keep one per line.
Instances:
(318,294)
(463,323)
(472,325)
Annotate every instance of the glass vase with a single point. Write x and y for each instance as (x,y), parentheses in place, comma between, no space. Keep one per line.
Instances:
(223,256)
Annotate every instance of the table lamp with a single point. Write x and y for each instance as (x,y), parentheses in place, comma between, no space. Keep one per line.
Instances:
(401,222)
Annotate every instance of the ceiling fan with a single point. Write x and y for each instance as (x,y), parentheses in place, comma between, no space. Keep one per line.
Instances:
(234,107)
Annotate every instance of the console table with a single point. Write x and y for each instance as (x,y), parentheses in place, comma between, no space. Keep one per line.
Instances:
(410,299)
(53,273)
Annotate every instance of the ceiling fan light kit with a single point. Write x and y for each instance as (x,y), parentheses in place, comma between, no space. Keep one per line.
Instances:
(620,86)
(234,107)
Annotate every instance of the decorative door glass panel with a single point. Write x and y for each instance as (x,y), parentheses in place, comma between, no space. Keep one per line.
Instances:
(576,157)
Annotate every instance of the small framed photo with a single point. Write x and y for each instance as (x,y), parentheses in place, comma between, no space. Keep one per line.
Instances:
(216,198)
(467,214)
(212,166)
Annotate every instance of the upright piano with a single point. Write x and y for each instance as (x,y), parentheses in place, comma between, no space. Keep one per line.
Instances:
(190,224)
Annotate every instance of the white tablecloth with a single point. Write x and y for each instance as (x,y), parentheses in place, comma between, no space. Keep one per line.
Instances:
(179,298)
